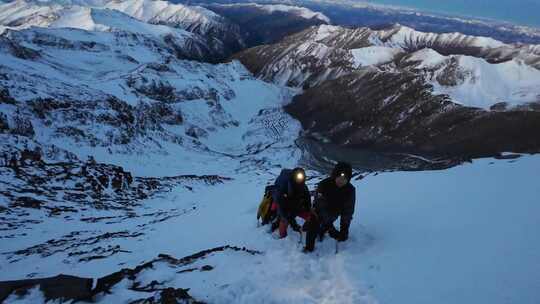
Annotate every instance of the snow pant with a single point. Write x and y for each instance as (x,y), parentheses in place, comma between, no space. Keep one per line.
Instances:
(283,223)
(317,226)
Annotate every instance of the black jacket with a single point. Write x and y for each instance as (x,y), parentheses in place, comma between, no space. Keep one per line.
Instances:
(332,202)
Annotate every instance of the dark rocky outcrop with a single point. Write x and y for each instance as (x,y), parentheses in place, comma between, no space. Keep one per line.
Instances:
(61,287)
(4,125)
(397,112)
(70,288)
(5,97)
(11,47)
(26,202)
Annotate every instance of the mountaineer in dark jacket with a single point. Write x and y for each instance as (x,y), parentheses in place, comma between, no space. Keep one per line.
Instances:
(335,197)
(291,199)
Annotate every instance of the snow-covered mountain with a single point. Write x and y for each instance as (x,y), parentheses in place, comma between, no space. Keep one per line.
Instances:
(352,13)
(400,89)
(126,93)
(217,34)
(220,33)
(271,8)
(98,124)
(475,82)
(327,52)
(268,23)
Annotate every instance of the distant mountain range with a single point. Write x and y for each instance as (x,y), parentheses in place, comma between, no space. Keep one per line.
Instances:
(353,13)
(132,54)
(398,89)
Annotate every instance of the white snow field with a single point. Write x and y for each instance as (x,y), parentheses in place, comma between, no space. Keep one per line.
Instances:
(296,10)
(463,235)
(479,83)
(373,55)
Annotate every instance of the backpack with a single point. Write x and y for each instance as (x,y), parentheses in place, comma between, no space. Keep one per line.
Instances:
(265,213)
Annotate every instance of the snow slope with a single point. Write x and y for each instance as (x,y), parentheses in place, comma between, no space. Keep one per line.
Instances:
(164,12)
(39,13)
(464,235)
(295,10)
(403,36)
(474,82)
(373,55)
(206,107)
(85,18)
(475,71)
(199,22)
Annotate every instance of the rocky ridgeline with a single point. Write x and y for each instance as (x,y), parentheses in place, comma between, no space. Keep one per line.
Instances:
(320,53)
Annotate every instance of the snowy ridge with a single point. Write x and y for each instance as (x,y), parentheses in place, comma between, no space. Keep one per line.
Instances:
(144,10)
(296,10)
(27,14)
(309,57)
(200,21)
(22,14)
(328,52)
(416,16)
(137,95)
(402,36)
(487,48)
(373,55)
(164,12)
(188,44)
(470,81)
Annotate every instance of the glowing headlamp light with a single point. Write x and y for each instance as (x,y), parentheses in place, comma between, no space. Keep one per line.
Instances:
(343,176)
(299,177)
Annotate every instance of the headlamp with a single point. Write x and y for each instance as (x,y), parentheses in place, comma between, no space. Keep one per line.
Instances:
(299,177)
(343,176)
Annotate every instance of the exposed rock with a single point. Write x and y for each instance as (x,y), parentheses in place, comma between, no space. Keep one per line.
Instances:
(196,132)
(4,126)
(397,112)
(16,49)
(22,126)
(27,202)
(61,287)
(5,97)
(207,268)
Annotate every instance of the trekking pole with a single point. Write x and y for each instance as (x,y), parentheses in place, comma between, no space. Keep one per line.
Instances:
(337,247)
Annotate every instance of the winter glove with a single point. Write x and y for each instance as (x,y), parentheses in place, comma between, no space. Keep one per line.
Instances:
(295,226)
(306,226)
(312,224)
